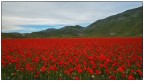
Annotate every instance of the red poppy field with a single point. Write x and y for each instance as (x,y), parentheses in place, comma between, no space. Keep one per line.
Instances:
(72,59)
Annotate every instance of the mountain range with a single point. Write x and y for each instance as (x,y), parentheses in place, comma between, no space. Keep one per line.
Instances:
(127,23)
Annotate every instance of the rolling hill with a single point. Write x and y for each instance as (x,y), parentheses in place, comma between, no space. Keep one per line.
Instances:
(128,23)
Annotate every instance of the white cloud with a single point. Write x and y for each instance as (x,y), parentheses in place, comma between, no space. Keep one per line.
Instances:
(11,28)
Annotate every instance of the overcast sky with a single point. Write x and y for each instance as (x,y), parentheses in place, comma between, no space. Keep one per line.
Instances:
(26,17)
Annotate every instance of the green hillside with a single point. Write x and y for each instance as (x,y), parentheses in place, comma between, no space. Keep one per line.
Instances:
(128,23)
(12,35)
(67,31)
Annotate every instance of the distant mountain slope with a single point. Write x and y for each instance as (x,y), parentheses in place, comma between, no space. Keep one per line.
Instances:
(128,23)
(12,35)
(67,31)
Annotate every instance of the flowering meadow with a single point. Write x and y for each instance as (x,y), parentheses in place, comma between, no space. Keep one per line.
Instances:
(72,59)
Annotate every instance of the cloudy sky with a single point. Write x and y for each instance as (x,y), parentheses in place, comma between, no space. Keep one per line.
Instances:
(26,17)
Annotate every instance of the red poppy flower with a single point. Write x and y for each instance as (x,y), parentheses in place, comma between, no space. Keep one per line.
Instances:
(73,57)
(43,69)
(79,70)
(30,67)
(139,72)
(132,71)
(77,78)
(36,60)
(130,77)
(112,77)
(120,69)
(123,75)
(90,71)
(98,72)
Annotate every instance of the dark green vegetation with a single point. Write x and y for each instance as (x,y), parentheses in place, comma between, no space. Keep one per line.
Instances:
(12,35)
(128,23)
(67,31)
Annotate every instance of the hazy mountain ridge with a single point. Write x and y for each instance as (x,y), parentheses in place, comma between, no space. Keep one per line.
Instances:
(128,23)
